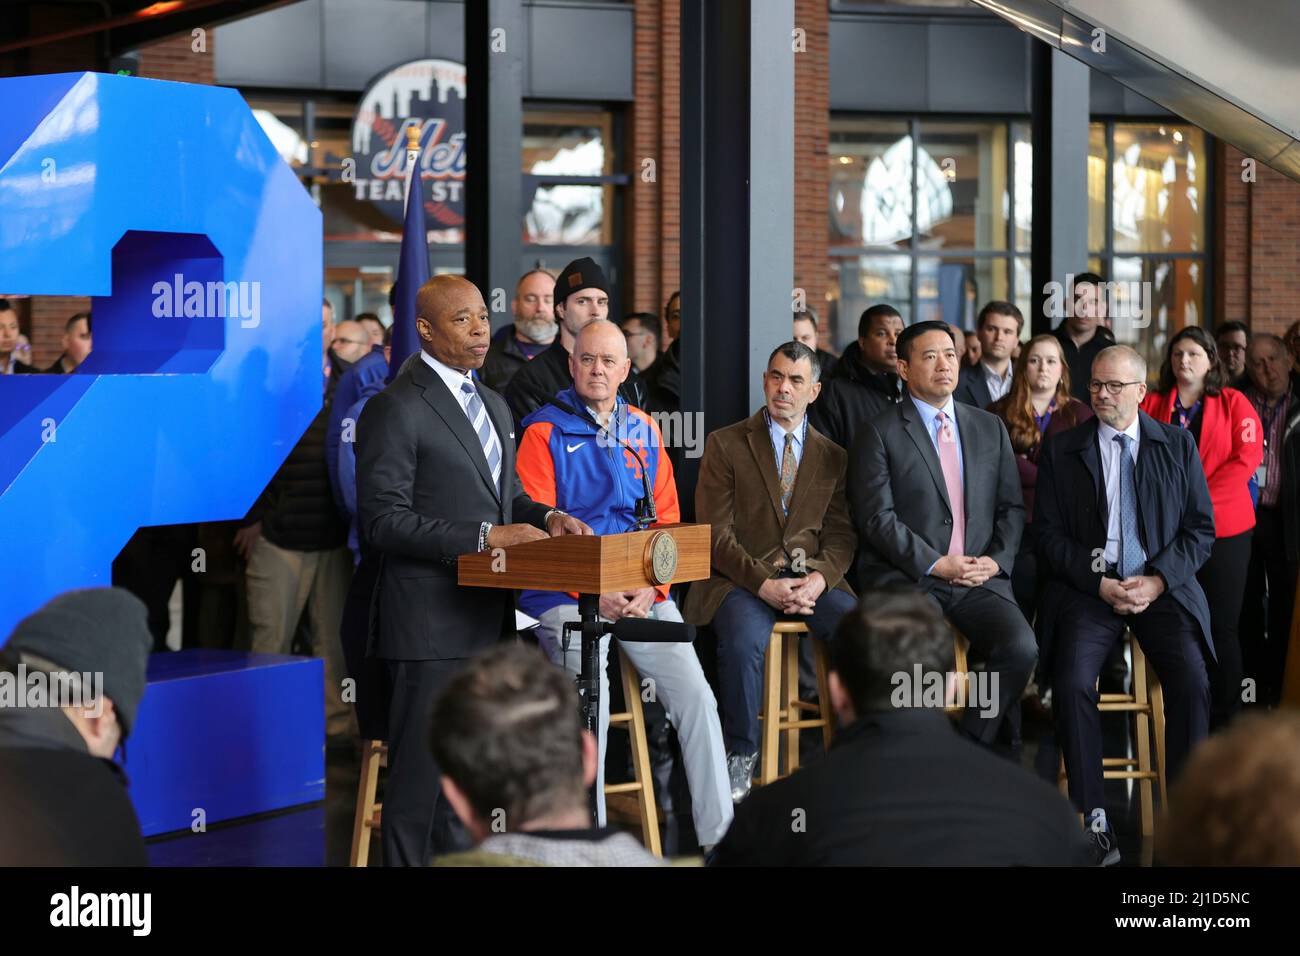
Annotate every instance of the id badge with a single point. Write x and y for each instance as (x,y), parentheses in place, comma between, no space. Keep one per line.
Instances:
(1261,475)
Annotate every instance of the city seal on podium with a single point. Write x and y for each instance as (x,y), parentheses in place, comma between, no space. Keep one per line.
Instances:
(661,557)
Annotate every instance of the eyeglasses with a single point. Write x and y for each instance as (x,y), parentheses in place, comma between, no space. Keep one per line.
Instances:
(1112,388)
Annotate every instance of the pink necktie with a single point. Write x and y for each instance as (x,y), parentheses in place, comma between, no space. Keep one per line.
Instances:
(952,479)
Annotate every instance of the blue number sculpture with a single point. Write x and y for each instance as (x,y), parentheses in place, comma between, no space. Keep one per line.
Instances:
(168,205)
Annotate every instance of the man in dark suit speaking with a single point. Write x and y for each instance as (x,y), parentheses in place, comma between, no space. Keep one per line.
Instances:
(936,500)
(436,479)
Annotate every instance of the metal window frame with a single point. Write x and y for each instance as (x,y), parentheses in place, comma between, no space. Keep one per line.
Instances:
(1206,256)
(913,250)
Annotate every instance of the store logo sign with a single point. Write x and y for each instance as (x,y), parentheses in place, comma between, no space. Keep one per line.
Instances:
(430,96)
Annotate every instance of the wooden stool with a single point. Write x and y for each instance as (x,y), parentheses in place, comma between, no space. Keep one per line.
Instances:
(781,704)
(960,666)
(645,810)
(374,754)
(1147,705)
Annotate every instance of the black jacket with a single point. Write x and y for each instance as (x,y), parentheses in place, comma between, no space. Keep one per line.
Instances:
(972,387)
(297,509)
(663,380)
(60,806)
(1070,516)
(546,376)
(851,395)
(423,491)
(504,359)
(903,788)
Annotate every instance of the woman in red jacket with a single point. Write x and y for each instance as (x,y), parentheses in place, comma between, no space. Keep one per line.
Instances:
(1038,406)
(1229,436)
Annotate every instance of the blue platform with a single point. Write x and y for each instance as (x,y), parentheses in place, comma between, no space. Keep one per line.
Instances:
(227,732)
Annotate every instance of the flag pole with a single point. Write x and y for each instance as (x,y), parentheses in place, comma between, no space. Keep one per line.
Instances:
(412,158)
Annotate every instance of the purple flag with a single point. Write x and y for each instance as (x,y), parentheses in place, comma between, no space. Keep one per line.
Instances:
(412,272)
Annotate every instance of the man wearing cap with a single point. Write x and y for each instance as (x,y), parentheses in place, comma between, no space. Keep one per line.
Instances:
(63,802)
(581,296)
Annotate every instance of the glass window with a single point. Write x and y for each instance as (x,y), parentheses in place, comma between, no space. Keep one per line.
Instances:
(1158,180)
(563,145)
(870,183)
(1147,228)
(861,281)
(963,240)
(961,185)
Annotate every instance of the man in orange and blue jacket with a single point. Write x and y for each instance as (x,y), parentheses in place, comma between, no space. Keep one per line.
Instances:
(570,459)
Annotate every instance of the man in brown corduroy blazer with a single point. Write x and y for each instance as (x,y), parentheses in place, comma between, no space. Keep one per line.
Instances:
(772,488)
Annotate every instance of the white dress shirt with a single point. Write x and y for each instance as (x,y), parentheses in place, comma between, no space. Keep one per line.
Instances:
(998,385)
(1110,469)
(454,378)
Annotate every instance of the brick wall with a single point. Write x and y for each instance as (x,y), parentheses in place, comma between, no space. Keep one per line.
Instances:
(654,222)
(171,59)
(811,143)
(1258,255)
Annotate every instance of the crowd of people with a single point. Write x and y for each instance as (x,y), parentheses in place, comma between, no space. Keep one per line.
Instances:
(1040,496)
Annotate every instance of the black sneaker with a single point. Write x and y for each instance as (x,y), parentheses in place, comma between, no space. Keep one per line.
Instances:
(1103,848)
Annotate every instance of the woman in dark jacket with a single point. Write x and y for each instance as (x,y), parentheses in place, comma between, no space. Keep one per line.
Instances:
(1038,406)
(1229,437)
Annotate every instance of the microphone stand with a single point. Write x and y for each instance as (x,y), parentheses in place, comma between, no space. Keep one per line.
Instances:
(591,628)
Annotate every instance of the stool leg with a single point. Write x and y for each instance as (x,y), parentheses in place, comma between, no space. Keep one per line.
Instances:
(641,760)
(768,770)
(366,789)
(790,698)
(1157,694)
(827,712)
(1142,722)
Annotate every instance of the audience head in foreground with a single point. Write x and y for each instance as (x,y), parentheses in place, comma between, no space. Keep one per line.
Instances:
(78,664)
(899,786)
(1235,804)
(516,764)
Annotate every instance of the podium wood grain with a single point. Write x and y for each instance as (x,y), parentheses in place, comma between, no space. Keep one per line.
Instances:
(585,564)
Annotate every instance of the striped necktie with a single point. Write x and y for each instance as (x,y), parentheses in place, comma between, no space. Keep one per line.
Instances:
(487,437)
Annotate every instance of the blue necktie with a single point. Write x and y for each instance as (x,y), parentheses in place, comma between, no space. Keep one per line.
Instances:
(478,417)
(1132,559)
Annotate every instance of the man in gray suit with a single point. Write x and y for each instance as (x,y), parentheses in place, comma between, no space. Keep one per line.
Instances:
(937,504)
(435,480)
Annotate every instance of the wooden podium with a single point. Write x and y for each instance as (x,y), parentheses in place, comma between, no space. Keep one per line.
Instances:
(592,565)
(588,564)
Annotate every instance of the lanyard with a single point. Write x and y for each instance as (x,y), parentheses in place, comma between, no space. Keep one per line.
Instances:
(1185,415)
(1043,420)
(803,433)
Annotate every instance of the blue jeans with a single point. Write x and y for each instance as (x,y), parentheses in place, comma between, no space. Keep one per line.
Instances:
(743,624)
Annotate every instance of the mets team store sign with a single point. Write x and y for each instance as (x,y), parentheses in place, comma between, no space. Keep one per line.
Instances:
(429,95)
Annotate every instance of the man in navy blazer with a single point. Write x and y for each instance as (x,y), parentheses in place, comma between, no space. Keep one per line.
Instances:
(1124,522)
(937,504)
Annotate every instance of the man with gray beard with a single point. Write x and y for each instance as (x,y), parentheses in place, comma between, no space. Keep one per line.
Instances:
(534,310)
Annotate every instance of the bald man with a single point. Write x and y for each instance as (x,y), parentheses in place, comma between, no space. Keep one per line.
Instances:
(567,460)
(351,342)
(435,480)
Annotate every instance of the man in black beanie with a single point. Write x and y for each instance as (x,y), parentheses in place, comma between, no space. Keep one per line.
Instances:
(581,297)
(71,679)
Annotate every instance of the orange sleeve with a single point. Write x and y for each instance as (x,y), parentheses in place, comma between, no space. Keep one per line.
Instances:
(534,465)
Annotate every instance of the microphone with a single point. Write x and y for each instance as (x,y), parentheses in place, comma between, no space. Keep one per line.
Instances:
(647,631)
(646,513)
